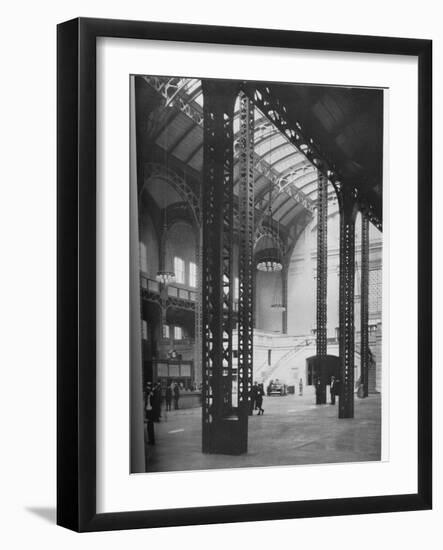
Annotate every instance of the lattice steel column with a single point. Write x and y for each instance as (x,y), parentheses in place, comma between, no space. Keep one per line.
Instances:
(246,238)
(322,282)
(217,287)
(348,211)
(364,304)
(198,312)
(284,276)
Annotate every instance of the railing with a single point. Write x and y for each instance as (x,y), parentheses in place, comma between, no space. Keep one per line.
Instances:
(261,368)
(182,293)
(178,343)
(172,290)
(150,284)
(284,358)
(176,291)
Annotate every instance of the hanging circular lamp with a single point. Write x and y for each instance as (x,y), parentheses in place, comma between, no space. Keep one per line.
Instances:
(269,260)
(269,264)
(278,307)
(277,304)
(164,276)
(268,257)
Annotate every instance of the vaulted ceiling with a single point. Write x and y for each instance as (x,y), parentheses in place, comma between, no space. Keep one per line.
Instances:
(346,124)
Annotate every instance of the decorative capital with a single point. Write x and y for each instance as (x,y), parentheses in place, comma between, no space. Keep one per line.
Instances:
(348,202)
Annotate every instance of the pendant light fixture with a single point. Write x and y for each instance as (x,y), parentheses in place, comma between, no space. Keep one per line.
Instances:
(269,265)
(270,262)
(278,307)
(164,276)
(277,304)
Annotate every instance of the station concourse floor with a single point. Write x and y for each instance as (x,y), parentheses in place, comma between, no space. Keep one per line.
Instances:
(293,430)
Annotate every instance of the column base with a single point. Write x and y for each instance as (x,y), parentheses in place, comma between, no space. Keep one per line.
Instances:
(227,436)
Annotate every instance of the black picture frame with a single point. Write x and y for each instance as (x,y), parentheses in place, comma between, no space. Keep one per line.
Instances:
(76,265)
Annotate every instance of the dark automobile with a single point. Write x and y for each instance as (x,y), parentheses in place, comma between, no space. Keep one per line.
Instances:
(277,388)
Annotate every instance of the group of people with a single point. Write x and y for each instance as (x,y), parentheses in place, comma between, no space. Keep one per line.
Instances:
(257,393)
(334,389)
(172,392)
(153,398)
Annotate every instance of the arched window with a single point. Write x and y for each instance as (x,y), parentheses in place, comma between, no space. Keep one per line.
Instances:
(143,257)
(179,270)
(145,335)
(180,253)
(192,274)
(149,250)
(236,288)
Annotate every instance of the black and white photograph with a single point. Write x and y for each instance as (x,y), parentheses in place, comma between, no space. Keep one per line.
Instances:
(221,305)
(256,263)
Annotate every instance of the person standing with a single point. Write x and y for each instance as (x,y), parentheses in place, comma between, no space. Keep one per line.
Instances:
(157,402)
(176,396)
(253,404)
(259,399)
(300,387)
(168,397)
(332,389)
(149,415)
(360,388)
(318,391)
(337,387)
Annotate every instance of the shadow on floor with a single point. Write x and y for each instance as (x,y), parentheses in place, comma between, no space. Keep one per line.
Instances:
(48,514)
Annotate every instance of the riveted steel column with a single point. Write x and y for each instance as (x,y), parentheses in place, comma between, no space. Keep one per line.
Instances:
(347,275)
(246,271)
(322,284)
(217,284)
(198,312)
(284,277)
(364,304)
